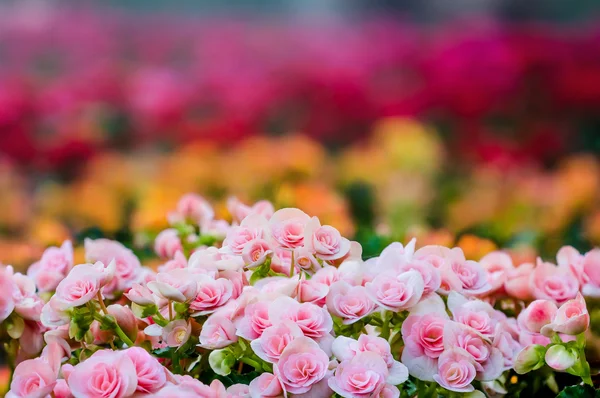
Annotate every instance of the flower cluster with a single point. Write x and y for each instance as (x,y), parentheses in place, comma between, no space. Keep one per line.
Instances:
(277,304)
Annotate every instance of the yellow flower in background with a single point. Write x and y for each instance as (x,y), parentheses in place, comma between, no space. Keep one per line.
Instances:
(14,202)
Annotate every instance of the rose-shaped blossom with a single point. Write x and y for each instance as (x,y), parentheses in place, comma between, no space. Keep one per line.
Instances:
(325,241)
(176,333)
(432,277)
(327,275)
(151,375)
(472,275)
(301,365)
(186,386)
(310,291)
(568,257)
(211,294)
(572,318)
(140,295)
(270,345)
(240,211)
(255,320)
(517,282)
(105,374)
(177,285)
(256,253)
(456,370)
(213,259)
(314,321)
(61,389)
(498,264)
(266,385)
(33,378)
(479,315)
(80,286)
(591,270)
(537,315)
(351,303)
(52,315)
(217,332)
(127,265)
(238,280)
(363,376)
(423,338)
(549,282)
(305,260)
(507,344)
(177,262)
(195,208)
(346,349)
(8,287)
(54,265)
(396,293)
(167,243)
(238,391)
(238,237)
(287,227)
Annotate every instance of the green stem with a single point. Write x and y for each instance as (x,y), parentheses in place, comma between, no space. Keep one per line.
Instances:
(118,329)
(252,363)
(385,325)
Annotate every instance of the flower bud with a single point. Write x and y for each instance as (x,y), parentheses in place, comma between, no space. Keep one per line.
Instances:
(125,319)
(559,357)
(530,358)
(221,361)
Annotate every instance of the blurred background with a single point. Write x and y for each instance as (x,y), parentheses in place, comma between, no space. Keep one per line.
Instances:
(470,122)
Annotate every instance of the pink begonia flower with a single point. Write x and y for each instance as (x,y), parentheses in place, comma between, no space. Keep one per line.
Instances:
(54,265)
(568,257)
(52,315)
(125,318)
(79,287)
(351,303)
(127,265)
(167,243)
(472,275)
(301,365)
(240,211)
(456,370)
(507,343)
(396,292)
(216,228)
(140,295)
(561,358)
(267,385)
(62,390)
(270,345)
(151,375)
(106,373)
(310,291)
(238,391)
(32,338)
(287,227)
(314,321)
(211,295)
(538,314)
(217,332)
(572,318)
(433,304)
(591,269)
(238,280)
(186,386)
(364,375)
(327,275)
(488,359)
(423,338)
(432,277)
(213,259)
(26,302)
(549,282)
(177,285)
(238,237)
(477,314)
(176,333)
(345,349)
(195,208)
(517,283)
(9,288)
(33,378)
(306,261)
(325,242)
(254,321)
(498,264)
(256,253)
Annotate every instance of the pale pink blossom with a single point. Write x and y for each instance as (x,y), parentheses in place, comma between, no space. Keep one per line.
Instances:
(314,321)
(167,243)
(125,318)
(517,283)
(54,265)
(572,318)
(151,375)
(325,241)
(211,294)
(62,390)
(305,260)
(351,303)
(456,370)
(423,338)
(473,277)
(549,282)
(310,291)
(240,211)
(79,287)
(301,365)
(568,257)
(176,333)
(9,288)
(32,378)
(213,259)
(140,295)
(270,345)
(591,269)
(256,253)
(537,315)
(364,375)
(238,391)
(287,227)
(255,320)
(267,385)
(195,208)
(498,265)
(396,292)
(177,285)
(217,332)
(177,262)
(127,265)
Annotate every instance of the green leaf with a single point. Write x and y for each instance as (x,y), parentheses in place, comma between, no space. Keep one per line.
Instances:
(165,352)
(582,391)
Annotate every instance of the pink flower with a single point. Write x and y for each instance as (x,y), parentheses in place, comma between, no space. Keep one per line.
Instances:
(517,283)
(256,253)
(105,374)
(238,391)
(125,318)
(396,293)
(167,243)
(301,365)
(507,344)
(456,370)
(472,275)
(306,260)
(195,208)
(213,259)
(549,282)
(238,237)
(61,389)
(254,321)
(127,265)
(537,315)
(423,338)
(240,211)
(270,345)
(266,386)
(176,333)
(54,265)
(351,303)
(140,295)
(151,375)
(568,257)
(238,280)
(217,332)
(325,241)
(287,227)
(311,291)
(572,318)
(33,378)
(477,314)
(314,321)
(591,269)
(212,294)
(497,264)
(431,275)
(9,288)
(363,376)
(79,287)
(176,285)
(186,386)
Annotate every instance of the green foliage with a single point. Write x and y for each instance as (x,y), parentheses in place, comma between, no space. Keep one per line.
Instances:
(581,391)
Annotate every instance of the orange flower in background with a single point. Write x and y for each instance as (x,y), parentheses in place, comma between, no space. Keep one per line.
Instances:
(475,247)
